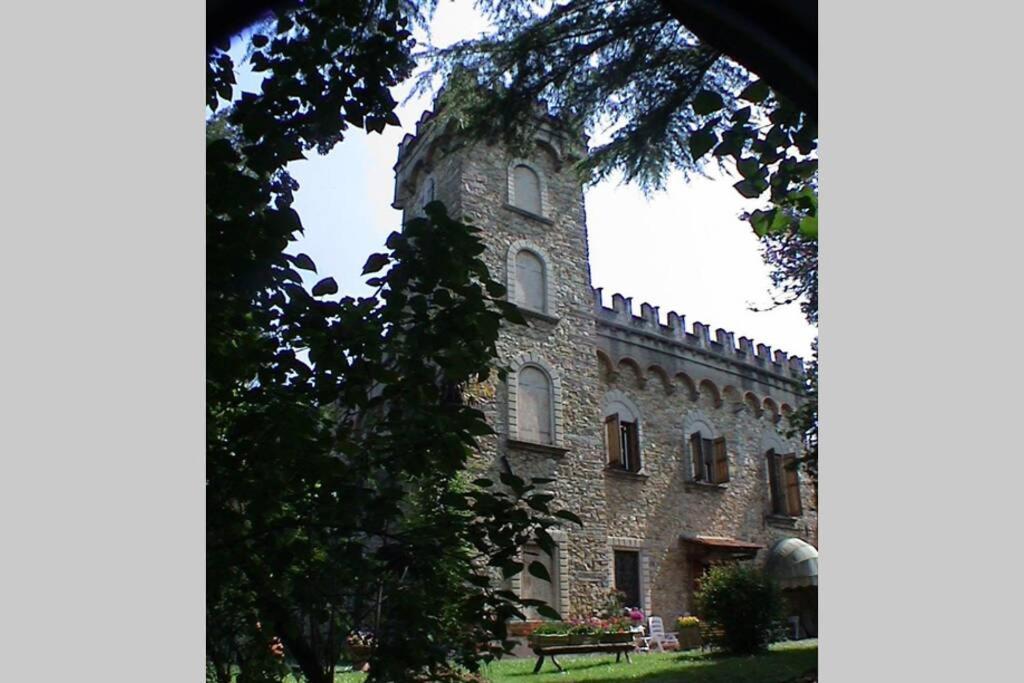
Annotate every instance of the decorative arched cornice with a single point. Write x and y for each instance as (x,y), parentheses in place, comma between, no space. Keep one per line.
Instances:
(550,308)
(534,360)
(712,390)
(541,177)
(697,421)
(689,385)
(626,361)
(753,403)
(732,398)
(771,408)
(662,374)
(604,361)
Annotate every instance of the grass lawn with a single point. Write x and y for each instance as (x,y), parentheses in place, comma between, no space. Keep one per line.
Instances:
(784,662)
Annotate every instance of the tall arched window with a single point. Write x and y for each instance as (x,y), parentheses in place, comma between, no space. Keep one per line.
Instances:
(622,436)
(534,409)
(530,281)
(526,185)
(709,458)
(784,483)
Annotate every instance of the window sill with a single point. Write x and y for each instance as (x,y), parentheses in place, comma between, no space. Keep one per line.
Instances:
(528,214)
(626,474)
(784,521)
(704,486)
(538,315)
(546,448)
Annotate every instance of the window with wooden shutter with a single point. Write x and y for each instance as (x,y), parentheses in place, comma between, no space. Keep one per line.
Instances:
(792,479)
(632,434)
(721,460)
(775,483)
(527,189)
(530,285)
(697,457)
(613,440)
(534,406)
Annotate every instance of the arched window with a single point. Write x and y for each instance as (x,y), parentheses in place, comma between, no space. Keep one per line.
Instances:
(622,437)
(526,189)
(708,455)
(530,281)
(534,406)
(535,588)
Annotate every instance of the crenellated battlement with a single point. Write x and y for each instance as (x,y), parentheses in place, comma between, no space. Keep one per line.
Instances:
(724,343)
(550,131)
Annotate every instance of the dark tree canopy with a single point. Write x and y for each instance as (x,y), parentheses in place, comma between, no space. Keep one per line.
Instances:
(338,438)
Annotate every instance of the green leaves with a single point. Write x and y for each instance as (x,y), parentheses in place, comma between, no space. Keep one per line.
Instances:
(809,227)
(303,262)
(570,516)
(539,570)
(375,262)
(748,167)
(751,188)
(548,612)
(756,92)
(325,286)
(701,142)
(706,102)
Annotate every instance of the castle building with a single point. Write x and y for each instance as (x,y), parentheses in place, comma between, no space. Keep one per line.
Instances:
(666,440)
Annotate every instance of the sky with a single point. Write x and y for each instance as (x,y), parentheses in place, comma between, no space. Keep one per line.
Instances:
(682,249)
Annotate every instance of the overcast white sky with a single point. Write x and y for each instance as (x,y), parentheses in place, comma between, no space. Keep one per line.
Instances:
(683,249)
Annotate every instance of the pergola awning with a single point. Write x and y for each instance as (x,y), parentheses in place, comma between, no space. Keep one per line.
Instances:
(722,545)
(793,563)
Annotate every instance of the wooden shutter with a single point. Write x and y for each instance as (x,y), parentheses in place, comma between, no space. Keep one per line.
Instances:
(634,447)
(721,460)
(612,440)
(792,479)
(698,457)
(773,482)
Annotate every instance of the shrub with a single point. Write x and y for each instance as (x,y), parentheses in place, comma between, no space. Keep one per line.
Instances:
(550,628)
(743,603)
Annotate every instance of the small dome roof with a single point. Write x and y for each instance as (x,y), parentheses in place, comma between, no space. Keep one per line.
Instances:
(793,563)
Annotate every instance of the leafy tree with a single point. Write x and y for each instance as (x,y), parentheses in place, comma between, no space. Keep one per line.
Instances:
(668,100)
(337,435)
(743,603)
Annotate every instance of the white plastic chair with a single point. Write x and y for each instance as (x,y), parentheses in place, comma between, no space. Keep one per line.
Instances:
(658,638)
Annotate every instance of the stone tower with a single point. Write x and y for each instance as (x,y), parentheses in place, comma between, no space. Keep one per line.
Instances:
(547,414)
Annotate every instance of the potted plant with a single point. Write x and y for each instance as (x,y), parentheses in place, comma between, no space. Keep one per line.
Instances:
(617,631)
(582,633)
(358,646)
(688,632)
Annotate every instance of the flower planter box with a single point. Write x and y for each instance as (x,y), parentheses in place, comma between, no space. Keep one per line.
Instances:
(689,637)
(547,640)
(624,637)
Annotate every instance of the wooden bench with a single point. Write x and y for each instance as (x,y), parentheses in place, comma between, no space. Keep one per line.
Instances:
(543,651)
(709,636)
